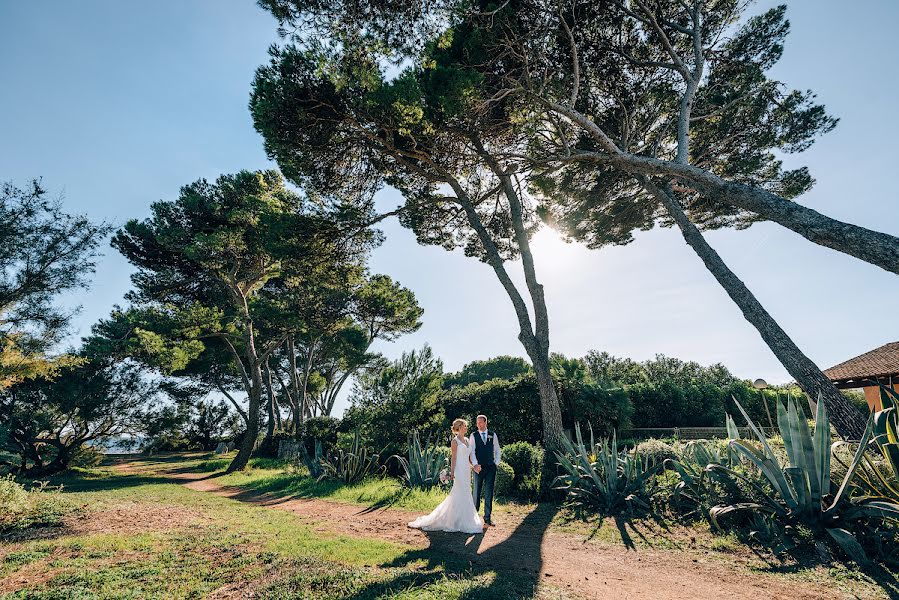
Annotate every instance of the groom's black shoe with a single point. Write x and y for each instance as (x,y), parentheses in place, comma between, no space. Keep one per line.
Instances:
(488,522)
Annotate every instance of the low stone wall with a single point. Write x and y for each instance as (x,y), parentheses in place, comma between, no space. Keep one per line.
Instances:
(288,449)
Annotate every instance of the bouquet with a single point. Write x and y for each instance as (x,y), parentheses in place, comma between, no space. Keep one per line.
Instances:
(444,476)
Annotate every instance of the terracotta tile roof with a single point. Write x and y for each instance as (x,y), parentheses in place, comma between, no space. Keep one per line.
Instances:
(880,362)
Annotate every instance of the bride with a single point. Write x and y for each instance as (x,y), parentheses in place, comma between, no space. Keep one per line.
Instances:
(457,511)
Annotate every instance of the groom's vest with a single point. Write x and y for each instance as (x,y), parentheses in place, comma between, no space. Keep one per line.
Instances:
(484,452)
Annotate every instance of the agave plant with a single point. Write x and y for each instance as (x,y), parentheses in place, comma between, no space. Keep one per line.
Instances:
(601,478)
(421,469)
(350,466)
(699,486)
(801,493)
(878,478)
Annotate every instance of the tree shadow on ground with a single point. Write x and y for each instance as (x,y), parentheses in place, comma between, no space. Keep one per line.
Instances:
(515,562)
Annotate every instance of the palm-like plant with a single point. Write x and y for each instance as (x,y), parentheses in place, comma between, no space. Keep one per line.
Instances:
(602,478)
(801,493)
(351,466)
(422,466)
(699,486)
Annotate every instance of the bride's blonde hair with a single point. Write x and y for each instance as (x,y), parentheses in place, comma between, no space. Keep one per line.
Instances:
(457,425)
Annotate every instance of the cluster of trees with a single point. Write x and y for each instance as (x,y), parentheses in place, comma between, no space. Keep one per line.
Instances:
(599,117)
(243,288)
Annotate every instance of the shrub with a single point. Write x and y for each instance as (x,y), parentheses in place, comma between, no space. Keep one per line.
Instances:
(527,462)
(512,404)
(87,457)
(505,476)
(655,451)
(21,508)
(323,429)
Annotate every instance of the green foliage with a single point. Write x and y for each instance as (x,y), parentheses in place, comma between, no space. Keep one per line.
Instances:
(350,466)
(314,461)
(801,493)
(511,404)
(599,478)
(878,476)
(44,252)
(527,461)
(396,398)
(21,508)
(322,430)
(504,485)
(45,423)
(481,371)
(422,466)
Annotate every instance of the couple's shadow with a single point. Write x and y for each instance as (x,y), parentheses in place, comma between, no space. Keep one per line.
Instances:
(511,562)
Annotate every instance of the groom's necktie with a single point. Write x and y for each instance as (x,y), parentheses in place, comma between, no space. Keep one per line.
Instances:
(484,436)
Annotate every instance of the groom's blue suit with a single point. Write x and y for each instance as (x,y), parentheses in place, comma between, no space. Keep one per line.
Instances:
(486,450)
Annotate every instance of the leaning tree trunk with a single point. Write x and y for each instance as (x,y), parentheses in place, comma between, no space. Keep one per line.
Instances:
(844,416)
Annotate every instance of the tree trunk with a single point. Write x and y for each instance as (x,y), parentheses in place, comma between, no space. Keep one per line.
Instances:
(550,409)
(844,416)
(535,342)
(254,396)
(270,406)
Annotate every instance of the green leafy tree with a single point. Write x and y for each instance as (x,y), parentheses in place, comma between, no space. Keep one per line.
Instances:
(44,252)
(388,403)
(206,269)
(44,422)
(637,113)
(337,125)
(481,371)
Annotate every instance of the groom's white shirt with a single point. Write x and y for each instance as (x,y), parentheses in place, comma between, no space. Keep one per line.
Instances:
(496,451)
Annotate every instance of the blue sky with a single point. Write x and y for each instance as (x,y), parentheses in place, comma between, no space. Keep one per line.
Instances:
(118,104)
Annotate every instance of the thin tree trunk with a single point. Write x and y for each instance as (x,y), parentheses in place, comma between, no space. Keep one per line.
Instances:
(270,405)
(845,418)
(536,349)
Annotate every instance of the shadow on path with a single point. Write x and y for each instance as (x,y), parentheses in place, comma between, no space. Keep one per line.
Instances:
(516,562)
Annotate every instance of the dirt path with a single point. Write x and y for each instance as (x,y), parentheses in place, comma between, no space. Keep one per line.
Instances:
(521,546)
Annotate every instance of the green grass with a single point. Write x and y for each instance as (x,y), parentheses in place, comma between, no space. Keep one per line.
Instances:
(378,491)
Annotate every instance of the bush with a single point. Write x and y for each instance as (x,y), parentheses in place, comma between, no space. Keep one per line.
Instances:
(526,461)
(21,508)
(505,476)
(511,405)
(655,451)
(87,457)
(323,429)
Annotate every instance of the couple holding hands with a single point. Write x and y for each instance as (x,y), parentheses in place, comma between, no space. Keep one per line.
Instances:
(480,453)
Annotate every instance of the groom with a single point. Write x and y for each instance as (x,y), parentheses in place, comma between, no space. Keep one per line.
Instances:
(486,457)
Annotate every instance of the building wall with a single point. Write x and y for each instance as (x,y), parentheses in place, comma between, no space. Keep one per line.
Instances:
(872,395)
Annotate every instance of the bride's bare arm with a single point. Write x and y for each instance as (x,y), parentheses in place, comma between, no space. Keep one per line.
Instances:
(453,445)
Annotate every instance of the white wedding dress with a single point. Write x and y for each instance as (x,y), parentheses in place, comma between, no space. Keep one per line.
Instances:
(457,511)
